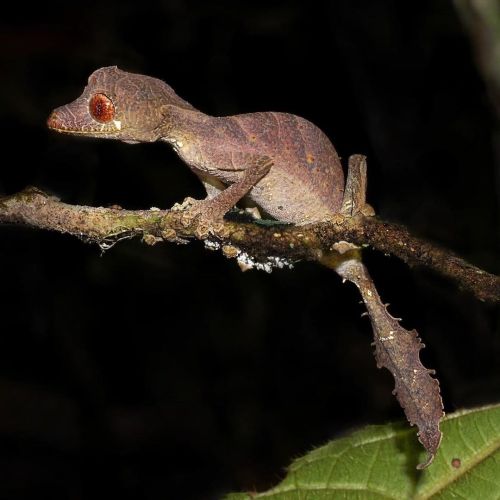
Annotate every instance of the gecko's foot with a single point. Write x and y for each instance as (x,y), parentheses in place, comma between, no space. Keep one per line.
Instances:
(203,213)
(336,218)
(367,210)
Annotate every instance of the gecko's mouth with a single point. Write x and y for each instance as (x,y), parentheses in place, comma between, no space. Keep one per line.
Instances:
(54,122)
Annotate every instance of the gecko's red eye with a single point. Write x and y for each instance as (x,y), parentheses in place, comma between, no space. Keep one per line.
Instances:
(101,108)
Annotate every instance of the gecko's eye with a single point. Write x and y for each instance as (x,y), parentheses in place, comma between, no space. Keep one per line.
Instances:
(101,108)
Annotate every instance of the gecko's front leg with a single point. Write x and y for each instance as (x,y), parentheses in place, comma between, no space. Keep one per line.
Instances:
(213,209)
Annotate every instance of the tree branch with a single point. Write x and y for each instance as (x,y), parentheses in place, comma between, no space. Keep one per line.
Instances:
(106,226)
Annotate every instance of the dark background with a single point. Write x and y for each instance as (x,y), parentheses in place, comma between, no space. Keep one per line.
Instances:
(165,372)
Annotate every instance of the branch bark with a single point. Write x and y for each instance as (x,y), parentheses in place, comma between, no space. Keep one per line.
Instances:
(106,226)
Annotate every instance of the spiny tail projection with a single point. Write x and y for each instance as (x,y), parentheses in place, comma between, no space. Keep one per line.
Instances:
(398,350)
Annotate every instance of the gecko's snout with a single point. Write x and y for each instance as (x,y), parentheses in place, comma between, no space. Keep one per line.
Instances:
(74,118)
(62,119)
(54,121)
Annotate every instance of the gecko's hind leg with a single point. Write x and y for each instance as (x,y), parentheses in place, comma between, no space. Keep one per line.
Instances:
(354,200)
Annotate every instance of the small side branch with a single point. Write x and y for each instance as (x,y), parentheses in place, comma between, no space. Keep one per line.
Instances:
(105,226)
(396,240)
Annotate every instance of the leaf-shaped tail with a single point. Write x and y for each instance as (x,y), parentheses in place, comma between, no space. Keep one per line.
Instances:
(397,350)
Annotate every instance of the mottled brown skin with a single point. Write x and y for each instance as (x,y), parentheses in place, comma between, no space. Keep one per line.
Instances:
(280,162)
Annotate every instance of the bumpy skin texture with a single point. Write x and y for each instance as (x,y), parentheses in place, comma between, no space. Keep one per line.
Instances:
(280,162)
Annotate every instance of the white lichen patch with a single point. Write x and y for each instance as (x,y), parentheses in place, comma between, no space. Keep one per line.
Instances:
(211,244)
(247,262)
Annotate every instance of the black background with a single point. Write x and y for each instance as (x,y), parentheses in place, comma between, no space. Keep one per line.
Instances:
(165,372)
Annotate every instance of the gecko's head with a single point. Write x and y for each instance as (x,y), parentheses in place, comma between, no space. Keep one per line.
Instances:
(118,105)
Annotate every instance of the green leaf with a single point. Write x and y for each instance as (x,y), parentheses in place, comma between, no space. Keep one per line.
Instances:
(378,462)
